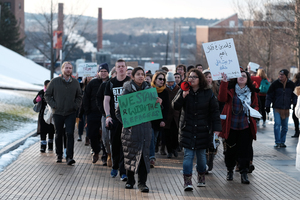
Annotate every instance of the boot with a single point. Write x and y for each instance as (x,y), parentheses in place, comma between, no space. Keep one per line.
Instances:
(162,150)
(201,179)
(87,141)
(251,167)
(296,135)
(244,178)
(50,146)
(229,176)
(43,148)
(95,157)
(188,186)
(109,162)
(211,161)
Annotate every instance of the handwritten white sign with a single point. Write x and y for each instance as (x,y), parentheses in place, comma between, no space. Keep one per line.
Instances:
(172,68)
(253,66)
(221,57)
(87,70)
(151,66)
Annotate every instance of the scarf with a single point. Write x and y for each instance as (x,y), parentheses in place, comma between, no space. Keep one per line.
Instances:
(172,87)
(244,94)
(158,89)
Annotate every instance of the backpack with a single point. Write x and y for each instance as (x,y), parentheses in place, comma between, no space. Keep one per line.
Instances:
(264,86)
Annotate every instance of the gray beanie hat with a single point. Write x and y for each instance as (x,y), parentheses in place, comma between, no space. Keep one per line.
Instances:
(170,77)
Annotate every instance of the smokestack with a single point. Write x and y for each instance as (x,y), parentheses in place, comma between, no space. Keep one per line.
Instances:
(60,17)
(99,35)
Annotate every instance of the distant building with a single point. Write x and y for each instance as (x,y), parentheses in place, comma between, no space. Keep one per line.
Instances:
(17,8)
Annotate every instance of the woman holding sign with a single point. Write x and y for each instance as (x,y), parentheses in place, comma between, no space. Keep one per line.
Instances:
(238,127)
(136,139)
(199,114)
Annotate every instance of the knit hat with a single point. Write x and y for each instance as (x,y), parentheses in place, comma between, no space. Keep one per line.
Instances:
(103,66)
(206,71)
(285,71)
(170,77)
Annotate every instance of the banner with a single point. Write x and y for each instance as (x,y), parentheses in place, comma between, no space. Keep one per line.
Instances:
(87,69)
(221,57)
(139,107)
(57,39)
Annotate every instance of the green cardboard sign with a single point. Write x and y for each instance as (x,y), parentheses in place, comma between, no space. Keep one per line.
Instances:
(139,107)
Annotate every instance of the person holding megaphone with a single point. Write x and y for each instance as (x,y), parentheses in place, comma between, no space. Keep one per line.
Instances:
(199,113)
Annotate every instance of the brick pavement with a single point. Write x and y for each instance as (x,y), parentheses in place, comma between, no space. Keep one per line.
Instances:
(36,176)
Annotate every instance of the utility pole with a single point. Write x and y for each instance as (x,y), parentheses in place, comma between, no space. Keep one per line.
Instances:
(179,44)
(51,36)
(167,49)
(173,48)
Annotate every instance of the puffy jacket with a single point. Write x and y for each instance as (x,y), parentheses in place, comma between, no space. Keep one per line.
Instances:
(63,97)
(280,97)
(199,114)
(136,139)
(90,98)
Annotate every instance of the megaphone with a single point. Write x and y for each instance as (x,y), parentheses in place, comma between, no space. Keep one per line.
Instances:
(185,85)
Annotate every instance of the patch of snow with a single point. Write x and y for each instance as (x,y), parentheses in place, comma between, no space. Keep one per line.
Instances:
(8,158)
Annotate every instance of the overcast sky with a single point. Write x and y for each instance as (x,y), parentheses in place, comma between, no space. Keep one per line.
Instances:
(123,9)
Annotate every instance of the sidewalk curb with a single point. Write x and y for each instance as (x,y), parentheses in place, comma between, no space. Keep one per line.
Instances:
(17,143)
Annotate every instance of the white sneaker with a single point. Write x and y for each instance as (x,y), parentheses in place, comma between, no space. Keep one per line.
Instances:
(201,185)
(188,188)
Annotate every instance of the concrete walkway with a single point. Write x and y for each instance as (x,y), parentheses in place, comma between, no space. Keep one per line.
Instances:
(36,175)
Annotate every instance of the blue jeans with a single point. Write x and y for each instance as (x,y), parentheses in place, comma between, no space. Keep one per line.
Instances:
(69,122)
(188,160)
(153,144)
(280,136)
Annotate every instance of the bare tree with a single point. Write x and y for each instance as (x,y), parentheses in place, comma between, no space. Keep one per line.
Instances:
(40,34)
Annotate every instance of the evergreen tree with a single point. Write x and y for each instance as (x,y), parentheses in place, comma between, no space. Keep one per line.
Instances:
(9,31)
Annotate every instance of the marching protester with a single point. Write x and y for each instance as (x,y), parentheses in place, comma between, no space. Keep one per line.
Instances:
(199,114)
(159,82)
(171,125)
(181,69)
(212,151)
(238,127)
(44,128)
(64,97)
(295,118)
(262,83)
(93,113)
(177,78)
(281,95)
(136,139)
(199,67)
(114,88)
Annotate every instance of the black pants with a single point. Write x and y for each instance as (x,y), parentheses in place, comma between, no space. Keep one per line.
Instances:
(48,130)
(172,137)
(262,107)
(69,122)
(142,174)
(117,150)
(239,148)
(94,124)
(296,122)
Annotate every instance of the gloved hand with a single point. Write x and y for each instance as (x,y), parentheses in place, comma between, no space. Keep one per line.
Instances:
(267,109)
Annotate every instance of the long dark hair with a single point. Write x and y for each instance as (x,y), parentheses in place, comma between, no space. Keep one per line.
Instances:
(249,83)
(202,79)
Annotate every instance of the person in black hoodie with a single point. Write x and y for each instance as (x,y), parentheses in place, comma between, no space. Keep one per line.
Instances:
(159,82)
(93,113)
(43,127)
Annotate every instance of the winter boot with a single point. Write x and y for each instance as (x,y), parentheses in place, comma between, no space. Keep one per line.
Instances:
(188,186)
(109,162)
(244,178)
(43,148)
(162,150)
(50,146)
(229,176)
(201,179)
(296,135)
(210,162)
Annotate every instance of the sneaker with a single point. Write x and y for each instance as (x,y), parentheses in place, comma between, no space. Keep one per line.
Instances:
(143,188)
(188,188)
(152,163)
(169,155)
(59,159)
(277,145)
(79,138)
(128,186)
(282,145)
(113,173)
(123,177)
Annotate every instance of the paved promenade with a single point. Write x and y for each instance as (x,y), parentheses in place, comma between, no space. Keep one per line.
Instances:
(36,175)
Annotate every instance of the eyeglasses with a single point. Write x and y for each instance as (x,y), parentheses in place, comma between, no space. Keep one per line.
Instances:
(193,77)
(161,79)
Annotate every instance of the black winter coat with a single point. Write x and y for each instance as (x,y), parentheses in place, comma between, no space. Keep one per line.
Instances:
(164,95)
(90,96)
(136,139)
(199,114)
(281,98)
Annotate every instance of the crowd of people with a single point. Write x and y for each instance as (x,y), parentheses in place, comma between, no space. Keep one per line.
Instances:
(196,112)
